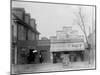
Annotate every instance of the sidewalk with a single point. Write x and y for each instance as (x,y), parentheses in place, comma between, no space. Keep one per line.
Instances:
(47,67)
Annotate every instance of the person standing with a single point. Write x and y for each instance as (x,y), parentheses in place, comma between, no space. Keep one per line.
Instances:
(40,57)
(54,58)
(65,59)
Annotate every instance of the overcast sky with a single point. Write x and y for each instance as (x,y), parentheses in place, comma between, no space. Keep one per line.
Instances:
(52,17)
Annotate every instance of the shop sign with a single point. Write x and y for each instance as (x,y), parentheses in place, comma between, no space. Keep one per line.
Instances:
(67,46)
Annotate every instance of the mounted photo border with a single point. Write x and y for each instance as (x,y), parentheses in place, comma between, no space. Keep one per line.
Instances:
(59,4)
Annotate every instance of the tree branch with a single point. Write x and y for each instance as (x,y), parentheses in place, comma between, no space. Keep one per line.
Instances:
(82,21)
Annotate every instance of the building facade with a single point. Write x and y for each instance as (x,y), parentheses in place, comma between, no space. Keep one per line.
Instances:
(67,43)
(44,48)
(24,35)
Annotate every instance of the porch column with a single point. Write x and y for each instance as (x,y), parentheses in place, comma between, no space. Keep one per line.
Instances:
(15,55)
(51,57)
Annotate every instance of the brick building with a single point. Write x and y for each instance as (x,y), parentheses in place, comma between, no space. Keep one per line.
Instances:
(24,35)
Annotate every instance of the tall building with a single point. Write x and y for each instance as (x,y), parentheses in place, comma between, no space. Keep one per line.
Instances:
(24,35)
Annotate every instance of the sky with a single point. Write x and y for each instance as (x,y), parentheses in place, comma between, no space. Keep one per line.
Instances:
(52,17)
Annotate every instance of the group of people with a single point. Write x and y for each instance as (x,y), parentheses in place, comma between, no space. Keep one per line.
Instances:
(32,56)
(66,58)
(63,57)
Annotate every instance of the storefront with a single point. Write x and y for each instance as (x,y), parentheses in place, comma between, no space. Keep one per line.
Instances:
(44,48)
(24,51)
(72,51)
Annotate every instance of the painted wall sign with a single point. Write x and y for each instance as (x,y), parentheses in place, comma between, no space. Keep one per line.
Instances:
(67,46)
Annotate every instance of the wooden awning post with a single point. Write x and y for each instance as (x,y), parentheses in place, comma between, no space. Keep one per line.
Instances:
(51,57)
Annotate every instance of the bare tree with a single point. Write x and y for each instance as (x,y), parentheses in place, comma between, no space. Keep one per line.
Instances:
(82,24)
(81,21)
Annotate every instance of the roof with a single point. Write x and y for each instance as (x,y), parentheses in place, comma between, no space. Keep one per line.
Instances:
(25,24)
(43,42)
(18,9)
